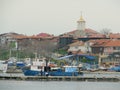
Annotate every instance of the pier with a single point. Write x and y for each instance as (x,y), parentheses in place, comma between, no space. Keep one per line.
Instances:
(60,78)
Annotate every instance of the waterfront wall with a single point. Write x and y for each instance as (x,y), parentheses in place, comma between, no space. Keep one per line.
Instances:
(60,78)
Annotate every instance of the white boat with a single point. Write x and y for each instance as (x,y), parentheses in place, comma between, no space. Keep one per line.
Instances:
(37,66)
(3,66)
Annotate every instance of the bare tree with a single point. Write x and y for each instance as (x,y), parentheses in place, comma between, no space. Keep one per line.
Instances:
(43,47)
(105,31)
(46,48)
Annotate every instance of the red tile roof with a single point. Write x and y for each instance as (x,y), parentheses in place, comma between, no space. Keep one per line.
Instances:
(72,32)
(89,34)
(113,43)
(114,35)
(92,33)
(41,35)
(44,35)
(106,43)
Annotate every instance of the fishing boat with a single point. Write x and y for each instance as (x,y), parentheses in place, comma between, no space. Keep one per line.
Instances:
(41,67)
(66,71)
(36,68)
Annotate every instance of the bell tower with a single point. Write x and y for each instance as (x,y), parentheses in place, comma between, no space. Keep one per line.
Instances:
(81,26)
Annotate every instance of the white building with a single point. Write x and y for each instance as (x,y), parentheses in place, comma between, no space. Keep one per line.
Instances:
(78,46)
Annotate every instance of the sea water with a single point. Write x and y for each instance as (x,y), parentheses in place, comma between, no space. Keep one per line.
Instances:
(57,85)
(60,85)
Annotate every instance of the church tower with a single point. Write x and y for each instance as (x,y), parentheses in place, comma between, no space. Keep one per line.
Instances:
(81,26)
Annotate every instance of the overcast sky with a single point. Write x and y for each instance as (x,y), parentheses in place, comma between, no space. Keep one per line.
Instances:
(57,16)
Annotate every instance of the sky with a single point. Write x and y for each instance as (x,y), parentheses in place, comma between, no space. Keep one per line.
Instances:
(31,17)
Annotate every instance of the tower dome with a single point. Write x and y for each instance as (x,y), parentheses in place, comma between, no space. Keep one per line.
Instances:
(81,19)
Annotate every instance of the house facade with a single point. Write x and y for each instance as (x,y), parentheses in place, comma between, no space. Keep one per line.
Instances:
(77,47)
(108,51)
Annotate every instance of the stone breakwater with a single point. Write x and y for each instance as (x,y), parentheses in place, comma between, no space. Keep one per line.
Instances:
(60,78)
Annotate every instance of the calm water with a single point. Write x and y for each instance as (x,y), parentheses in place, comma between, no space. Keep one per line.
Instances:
(60,85)
(55,85)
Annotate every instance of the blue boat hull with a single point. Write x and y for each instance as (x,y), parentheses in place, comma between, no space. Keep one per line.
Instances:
(63,73)
(67,71)
(50,73)
(31,73)
(116,68)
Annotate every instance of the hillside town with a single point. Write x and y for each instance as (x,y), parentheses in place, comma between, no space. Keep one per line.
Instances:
(104,46)
(59,45)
